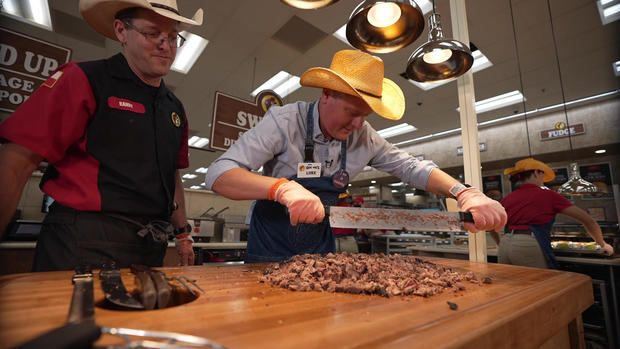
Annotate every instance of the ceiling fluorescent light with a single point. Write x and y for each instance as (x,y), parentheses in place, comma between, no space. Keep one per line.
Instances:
(397,184)
(201,142)
(481,62)
(188,54)
(282,83)
(396,130)
(189,176)
(197,142)
(202,170)
(600,151)
(373,182)
(195,187)
(616,66)
(36,12)
(609,10)
(497,102)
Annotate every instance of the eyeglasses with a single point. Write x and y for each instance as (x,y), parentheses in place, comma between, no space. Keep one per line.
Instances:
(156,38)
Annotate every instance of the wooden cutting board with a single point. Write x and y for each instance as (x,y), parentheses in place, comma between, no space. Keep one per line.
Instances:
(522,308)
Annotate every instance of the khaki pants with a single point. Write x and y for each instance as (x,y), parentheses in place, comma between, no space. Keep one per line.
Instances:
(346,243)
(521,249)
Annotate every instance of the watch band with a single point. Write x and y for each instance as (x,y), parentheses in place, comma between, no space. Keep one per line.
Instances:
(186,229)
(457,189)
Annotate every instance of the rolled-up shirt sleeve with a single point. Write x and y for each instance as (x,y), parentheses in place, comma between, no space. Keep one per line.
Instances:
(390,159)
(253,149)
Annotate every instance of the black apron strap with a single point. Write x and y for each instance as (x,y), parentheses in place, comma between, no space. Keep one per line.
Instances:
(309,145)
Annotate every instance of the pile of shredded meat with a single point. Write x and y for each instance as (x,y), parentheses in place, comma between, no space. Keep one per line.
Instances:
(385,275)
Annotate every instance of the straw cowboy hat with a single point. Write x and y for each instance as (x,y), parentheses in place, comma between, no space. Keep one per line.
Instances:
(528,164)
(99,14)
(359,74)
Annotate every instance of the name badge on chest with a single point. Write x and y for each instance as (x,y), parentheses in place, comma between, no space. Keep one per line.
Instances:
(309,170)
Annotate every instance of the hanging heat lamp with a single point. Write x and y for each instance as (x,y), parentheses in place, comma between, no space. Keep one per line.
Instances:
(309,4)
(575,186)
(384,26)
(438,59)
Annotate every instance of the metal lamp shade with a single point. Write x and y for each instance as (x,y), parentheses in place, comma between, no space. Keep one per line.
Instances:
(309,4)
(576,185)
(363,35)
(459,63)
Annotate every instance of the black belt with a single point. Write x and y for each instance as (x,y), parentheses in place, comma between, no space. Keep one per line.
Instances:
(518,231)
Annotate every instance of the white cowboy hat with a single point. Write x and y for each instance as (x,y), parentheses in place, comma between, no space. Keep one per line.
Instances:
(99,14)
(359,74)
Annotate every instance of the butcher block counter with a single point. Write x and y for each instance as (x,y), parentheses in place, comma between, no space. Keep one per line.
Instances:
(521,308)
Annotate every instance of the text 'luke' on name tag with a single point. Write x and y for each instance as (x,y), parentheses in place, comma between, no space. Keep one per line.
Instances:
(309,170)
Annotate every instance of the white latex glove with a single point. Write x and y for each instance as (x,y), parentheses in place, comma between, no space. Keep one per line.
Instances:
(607,249)
(184,250)
(488,214)
(303,205)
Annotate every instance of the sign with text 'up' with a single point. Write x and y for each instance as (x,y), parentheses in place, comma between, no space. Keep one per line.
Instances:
(233,116)
(25,63)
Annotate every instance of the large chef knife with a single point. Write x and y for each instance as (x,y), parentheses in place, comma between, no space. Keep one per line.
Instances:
(114,289)
(397,219)
(80,330)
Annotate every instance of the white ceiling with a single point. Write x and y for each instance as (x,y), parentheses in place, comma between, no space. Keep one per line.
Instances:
(242,54)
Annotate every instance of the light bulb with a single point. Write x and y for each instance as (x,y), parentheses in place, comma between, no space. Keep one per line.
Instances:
(437,55)
(383,14)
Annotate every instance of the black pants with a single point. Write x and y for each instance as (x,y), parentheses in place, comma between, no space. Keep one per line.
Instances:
(70,238)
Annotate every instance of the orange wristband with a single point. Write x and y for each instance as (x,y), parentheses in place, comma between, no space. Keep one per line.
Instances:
(462,191)
(275,186)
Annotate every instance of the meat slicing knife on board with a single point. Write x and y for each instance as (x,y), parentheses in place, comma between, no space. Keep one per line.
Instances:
(397,219)
(80,330)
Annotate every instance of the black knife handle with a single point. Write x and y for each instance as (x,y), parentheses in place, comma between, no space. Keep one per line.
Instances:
(466,217)
(69,336)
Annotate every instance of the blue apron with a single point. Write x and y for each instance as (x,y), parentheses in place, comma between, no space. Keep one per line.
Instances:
(543,235)
(272,238)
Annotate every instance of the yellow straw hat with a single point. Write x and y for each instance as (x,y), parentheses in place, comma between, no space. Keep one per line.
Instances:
(528,164)
(359,74)
(99,14)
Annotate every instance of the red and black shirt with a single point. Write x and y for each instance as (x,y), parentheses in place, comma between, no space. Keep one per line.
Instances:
(113,143)
(533,205)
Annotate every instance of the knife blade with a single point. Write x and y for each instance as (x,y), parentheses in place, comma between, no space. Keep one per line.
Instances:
(158,286)
(397,219)
(114,289)
(80,331)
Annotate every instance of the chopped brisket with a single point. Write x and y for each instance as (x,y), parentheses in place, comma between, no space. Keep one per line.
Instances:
(385,275)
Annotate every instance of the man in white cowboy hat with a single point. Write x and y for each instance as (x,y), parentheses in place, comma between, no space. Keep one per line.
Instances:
(114,136)
(531,214)
(310,150)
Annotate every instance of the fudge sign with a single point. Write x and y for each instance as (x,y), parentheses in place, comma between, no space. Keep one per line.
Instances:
(233,116)
(25,63)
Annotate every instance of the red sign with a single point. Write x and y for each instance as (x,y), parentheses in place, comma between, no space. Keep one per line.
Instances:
(233,116)
(25,63)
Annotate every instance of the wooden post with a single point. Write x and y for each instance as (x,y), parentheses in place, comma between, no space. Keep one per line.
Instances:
(469,126)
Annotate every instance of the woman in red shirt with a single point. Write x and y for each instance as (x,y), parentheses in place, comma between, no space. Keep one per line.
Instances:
(531,213)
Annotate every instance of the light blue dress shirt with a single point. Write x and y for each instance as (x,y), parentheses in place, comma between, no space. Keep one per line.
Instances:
(277,144)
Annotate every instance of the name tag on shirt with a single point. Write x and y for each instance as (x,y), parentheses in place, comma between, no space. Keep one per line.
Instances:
(309,170)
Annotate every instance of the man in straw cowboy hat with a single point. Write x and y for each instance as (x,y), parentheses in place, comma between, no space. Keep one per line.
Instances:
(114,136)
(310,150)
(531,213)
